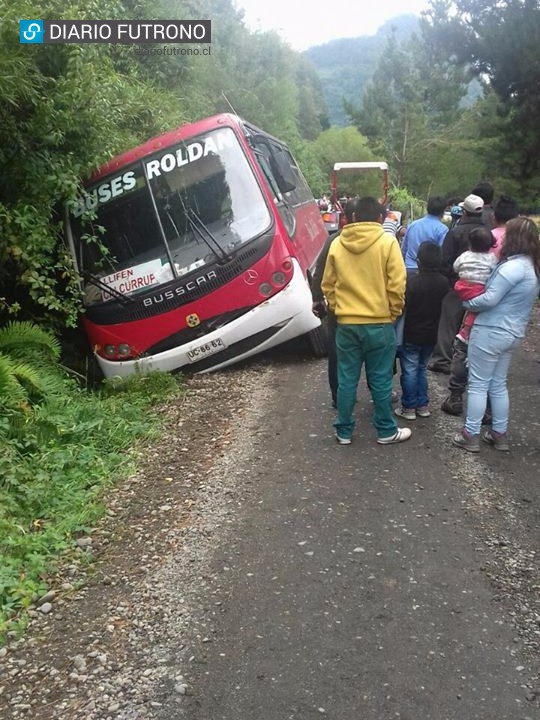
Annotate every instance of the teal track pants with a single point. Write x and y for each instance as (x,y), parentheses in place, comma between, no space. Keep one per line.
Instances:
(375,347)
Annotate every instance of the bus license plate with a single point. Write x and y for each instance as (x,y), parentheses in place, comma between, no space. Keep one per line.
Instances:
(209,348)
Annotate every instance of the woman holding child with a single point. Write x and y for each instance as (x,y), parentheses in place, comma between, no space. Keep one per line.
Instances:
(504,309)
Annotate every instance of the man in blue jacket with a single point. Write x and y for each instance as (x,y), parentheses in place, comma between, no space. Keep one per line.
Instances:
(430,228)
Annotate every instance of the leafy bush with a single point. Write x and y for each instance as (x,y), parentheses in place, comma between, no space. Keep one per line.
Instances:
(404,201)
(59,448)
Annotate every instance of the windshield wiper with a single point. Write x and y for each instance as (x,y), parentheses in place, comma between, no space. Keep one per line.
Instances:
(93,280)
(200,229)
(206,236)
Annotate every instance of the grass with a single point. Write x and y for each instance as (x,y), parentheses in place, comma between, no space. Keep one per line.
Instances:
(56,462)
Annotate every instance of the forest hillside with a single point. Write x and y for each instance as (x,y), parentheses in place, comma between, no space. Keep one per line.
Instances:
(345,66)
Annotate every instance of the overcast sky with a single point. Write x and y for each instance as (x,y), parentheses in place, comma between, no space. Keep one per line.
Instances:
(304,23)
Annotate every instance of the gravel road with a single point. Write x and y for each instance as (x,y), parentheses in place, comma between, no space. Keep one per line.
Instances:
(102,650)
(175,614)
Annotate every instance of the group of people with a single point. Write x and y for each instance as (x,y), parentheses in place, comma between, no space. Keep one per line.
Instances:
(452,299)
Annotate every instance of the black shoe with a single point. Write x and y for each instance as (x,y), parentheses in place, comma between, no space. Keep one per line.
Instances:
(453,405)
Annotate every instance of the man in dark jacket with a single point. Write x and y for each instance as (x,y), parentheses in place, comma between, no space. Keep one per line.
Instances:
(455,243)
(321,311)
(320,308)
(423,300)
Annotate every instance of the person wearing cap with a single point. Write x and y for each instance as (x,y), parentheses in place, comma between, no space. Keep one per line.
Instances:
(455,243)
(456,213)
(392,224)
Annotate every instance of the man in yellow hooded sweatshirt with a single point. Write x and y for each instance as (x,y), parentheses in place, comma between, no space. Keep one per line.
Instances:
(364,285)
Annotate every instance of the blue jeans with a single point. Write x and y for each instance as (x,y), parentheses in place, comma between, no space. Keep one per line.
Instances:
(489,356)
(414,383)
(375,347)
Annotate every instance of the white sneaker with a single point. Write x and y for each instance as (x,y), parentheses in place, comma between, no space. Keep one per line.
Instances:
(401,435)
(342,440)
(405,414)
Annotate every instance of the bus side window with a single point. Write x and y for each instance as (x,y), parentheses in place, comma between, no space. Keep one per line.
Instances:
(265,167)
(262,155)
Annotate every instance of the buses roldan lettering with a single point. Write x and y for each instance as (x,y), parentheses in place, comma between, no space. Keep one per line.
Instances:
(177,157)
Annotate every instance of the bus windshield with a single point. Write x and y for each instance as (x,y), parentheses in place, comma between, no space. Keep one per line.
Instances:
(188,206)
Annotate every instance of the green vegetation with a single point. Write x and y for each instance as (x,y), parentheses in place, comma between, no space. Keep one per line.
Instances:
(345,145)
(65,109)
(413,115)
(446,101)
(345,66)
(497,42)
(60,448)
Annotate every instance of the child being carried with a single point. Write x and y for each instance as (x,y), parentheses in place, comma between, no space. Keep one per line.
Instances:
(473,268)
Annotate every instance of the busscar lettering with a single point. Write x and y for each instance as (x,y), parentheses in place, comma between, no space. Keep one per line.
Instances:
(179,290)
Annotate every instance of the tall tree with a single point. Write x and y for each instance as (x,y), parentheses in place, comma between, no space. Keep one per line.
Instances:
(497,40)
(410,112)
(344,145)
(65,109)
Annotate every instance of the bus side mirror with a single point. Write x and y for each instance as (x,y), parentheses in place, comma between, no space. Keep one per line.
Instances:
(282,171)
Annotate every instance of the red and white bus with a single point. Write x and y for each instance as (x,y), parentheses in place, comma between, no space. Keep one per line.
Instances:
(196,249)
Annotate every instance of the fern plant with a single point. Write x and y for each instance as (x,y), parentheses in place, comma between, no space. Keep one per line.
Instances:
(29,374)
(19,339)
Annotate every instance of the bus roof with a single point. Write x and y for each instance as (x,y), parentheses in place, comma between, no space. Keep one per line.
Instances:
(360,166)
(163,141)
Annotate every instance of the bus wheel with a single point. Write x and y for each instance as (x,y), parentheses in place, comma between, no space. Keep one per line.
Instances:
(318,341)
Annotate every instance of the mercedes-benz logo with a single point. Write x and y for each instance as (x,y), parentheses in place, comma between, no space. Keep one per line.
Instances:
(251,277)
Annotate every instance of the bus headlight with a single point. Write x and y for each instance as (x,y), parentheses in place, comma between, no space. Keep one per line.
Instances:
(109,350)
(279,278)
(265,289)
(124,350)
